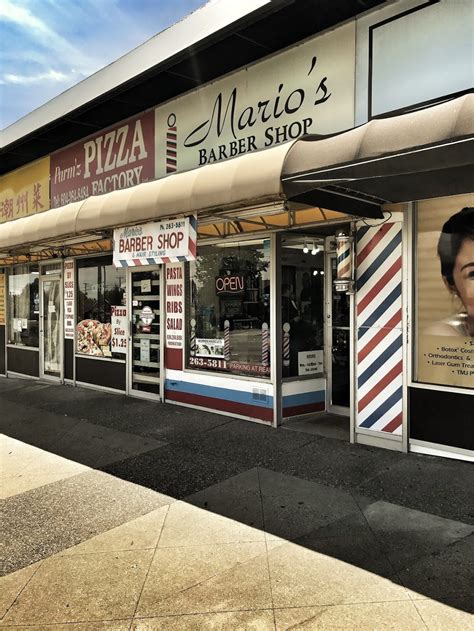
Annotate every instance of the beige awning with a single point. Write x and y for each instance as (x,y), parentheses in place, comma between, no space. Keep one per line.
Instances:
(249,179)
(425,153)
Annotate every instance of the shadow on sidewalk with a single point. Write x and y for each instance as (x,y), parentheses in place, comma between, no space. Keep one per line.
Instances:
(405,518)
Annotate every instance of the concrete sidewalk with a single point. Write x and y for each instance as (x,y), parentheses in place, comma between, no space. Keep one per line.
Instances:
(127,514)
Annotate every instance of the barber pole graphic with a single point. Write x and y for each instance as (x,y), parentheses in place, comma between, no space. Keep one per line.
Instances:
(379,328)
(171,145)
(192,337)
(286,344)
(227,340)
(265,344)
(344,259)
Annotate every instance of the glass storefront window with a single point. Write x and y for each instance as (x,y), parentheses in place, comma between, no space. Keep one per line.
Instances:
(23,305)
(99,287)
(229,298)
(445,291)
(302,306)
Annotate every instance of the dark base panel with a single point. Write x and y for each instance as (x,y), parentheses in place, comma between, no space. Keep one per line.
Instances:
(22,361)
(2,350)
(101,373)
(444,418)
(68,359)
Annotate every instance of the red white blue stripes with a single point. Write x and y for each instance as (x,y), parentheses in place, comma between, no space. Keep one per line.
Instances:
(379,328)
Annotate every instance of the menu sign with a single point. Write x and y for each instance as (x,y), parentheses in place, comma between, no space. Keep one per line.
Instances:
(69,299)
(2,299)
(119,329)
(174,305)
(117,158)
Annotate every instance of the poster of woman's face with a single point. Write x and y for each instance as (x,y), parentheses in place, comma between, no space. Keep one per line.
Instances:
(445,291)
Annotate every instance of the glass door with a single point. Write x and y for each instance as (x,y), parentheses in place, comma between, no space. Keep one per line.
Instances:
(337,344)
(145,330)
(51,327)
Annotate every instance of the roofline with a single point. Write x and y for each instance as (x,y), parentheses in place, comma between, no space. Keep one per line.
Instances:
(196,27)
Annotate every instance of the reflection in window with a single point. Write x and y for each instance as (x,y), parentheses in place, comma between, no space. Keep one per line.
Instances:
(229,318)
(302,306)
(23,294)
(99,287)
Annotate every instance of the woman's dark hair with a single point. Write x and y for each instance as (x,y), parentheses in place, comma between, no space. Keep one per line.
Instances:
(458,228)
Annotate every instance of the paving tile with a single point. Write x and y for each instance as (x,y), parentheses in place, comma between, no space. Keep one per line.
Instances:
(84,587)
(207,528)
(137,534)
(175,470)
(203,579)
(408,535)
(11,586)
(426,483)
(293,507)
(49,519)
(369,617)
(111,625)
(440,617)
(259,620)
(301,577)
(237,498)
(445,576)
(22,483)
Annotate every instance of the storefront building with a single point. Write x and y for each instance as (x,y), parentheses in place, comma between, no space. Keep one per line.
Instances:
(285,241)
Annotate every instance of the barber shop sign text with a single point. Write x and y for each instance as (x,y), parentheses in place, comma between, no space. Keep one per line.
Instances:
(307,89)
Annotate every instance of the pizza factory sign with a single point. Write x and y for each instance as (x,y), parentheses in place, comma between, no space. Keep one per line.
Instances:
(169,241)
(306,89)
(117,158)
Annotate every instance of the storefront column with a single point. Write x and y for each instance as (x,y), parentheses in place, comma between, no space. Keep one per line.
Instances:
(379,372)
(275,328)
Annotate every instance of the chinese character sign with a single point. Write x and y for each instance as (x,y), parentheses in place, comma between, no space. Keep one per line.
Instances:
(25,191)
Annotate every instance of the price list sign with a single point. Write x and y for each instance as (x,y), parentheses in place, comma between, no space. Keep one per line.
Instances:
(2,299)
(69,299)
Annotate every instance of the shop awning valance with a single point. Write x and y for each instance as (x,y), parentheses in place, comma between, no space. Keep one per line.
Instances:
(426,153)
(422,154)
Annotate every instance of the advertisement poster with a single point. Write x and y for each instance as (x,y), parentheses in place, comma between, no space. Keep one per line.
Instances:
(69,316)
(2,299)
(93,338)
(445,292)
(157,242)
(25,191)
(210,347)
(310,362)
(308,89)
(117,158)
(174,306)
(119,325)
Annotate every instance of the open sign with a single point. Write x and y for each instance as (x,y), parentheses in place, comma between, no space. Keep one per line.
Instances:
(232,284)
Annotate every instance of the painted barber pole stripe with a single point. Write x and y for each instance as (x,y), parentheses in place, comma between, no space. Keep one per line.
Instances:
(227,340)
(171,145)
(286,344)
(265,344)
(379,333)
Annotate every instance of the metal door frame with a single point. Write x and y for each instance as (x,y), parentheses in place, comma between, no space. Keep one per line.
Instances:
(130,391)
(57,276)
(329,289)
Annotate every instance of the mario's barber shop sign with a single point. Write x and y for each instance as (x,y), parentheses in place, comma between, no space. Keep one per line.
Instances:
(170,241)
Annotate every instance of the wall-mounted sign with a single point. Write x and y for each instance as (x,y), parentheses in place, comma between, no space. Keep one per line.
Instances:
(2,299)
(116,158)
(25,191)
(174,305)
(232,284)
(119,324)
(307,89)
(310,362)
(170,241)
(69,317)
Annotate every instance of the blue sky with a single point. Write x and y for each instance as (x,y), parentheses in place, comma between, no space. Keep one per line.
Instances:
(46,46)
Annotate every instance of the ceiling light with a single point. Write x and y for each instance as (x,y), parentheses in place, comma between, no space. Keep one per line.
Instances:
(315,273)
(315,249)
(305,249)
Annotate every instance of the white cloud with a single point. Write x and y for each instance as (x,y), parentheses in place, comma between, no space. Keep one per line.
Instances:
(52,75)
